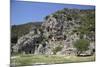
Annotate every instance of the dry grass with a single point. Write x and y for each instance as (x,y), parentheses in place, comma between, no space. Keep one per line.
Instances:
(24,60)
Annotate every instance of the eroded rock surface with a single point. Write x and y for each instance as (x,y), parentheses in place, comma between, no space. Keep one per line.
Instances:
(57,34)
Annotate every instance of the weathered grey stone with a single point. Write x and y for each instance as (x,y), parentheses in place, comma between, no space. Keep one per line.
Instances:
(57,31)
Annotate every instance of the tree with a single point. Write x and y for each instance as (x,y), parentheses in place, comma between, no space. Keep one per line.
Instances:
(81,45)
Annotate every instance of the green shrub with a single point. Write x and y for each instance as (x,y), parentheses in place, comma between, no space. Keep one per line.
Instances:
(81,45)
(56,49)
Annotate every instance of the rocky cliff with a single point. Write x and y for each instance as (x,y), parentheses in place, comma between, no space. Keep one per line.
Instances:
(58,33)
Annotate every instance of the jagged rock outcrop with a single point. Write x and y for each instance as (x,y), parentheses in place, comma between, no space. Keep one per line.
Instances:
(57,35)
(32,44)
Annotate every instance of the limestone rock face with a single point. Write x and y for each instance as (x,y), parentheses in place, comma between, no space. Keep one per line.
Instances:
(57,35)
(31,43)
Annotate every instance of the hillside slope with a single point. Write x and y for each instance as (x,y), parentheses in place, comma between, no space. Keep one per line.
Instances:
(19,30)
(58,33)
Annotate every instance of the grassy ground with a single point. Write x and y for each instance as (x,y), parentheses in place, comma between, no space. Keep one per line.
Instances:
(23,60)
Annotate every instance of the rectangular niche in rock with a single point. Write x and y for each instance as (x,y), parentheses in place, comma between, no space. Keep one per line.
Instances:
(51,33)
